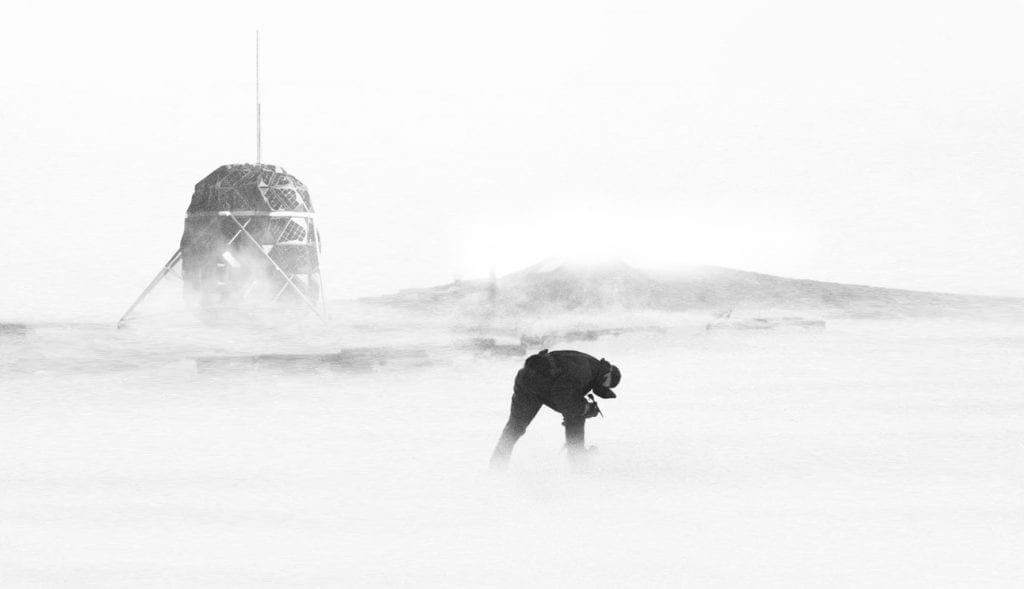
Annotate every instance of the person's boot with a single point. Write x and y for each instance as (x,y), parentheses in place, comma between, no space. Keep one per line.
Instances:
(500,457)
(503,450)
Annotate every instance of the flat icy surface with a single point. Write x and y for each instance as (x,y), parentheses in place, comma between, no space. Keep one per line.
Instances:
(869,454)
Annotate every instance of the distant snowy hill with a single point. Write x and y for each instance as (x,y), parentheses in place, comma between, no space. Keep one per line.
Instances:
(561,285)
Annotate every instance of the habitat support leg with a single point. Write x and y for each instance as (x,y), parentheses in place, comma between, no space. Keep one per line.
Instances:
(168,267)
(287,278)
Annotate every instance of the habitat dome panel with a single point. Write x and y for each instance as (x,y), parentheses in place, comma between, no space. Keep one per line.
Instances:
(250,187)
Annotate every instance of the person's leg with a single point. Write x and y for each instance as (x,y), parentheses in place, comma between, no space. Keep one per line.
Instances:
(525,406)
(574,417)
(574,435)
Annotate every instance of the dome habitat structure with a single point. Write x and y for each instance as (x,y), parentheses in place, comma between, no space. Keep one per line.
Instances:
(250,247)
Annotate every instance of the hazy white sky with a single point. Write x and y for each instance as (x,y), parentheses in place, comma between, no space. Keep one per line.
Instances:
(867,142)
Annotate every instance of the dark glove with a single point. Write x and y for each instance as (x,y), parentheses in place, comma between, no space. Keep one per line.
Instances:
(591,409)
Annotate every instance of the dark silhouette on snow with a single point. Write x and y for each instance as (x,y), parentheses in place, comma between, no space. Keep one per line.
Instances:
(563,380)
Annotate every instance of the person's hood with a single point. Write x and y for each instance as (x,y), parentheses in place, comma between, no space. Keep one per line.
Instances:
(605,368)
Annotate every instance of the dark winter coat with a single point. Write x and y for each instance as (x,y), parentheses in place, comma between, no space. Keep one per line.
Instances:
(563,377)
(560,380)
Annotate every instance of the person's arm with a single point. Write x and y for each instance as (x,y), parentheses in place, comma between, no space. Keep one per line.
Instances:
(572,378)
(566,385)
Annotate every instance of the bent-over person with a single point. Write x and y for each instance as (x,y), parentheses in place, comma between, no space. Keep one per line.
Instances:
(562,380)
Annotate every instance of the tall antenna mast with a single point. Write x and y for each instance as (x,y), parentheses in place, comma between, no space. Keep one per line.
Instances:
(259,122)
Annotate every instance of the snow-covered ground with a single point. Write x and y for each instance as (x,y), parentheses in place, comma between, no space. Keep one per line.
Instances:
(868,454)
